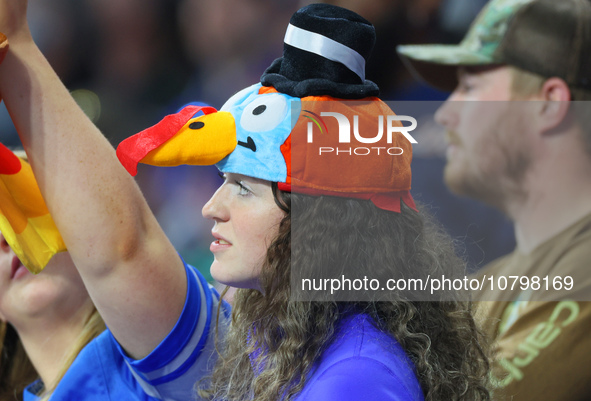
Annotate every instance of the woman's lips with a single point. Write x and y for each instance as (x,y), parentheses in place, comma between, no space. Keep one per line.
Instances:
(219,244)
(17,269)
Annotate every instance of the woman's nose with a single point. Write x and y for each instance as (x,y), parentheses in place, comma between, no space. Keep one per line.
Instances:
(215,208)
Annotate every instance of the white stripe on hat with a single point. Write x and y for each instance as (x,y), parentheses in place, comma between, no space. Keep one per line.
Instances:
(326,47)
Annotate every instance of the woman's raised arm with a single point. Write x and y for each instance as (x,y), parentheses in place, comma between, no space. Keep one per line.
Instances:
(131,270)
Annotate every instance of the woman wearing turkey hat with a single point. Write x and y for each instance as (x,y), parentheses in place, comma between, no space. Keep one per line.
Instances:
(161,314)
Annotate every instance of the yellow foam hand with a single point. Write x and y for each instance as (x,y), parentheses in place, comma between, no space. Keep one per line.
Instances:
(25,221)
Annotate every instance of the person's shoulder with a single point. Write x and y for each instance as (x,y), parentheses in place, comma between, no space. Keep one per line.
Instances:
(362,378)
(363,362)
(564,262)
(494,266)
(97,373)
(573,248)
(357,336)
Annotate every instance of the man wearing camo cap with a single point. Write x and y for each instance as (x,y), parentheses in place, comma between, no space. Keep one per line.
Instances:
(519,138)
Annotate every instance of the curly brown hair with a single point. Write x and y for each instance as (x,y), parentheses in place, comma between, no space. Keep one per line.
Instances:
(439,337)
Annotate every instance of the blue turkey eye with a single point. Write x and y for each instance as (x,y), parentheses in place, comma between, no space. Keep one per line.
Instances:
(264,113)
(259,110)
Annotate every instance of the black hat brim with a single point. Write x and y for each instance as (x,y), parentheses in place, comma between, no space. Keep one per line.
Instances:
(316,86)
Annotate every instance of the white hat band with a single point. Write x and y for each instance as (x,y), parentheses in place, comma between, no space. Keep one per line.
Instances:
(318,44)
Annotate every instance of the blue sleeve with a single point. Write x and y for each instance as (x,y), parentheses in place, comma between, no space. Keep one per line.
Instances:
(360,378)
(188,352)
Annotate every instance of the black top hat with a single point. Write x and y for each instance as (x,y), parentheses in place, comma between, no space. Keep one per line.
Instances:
(325,51)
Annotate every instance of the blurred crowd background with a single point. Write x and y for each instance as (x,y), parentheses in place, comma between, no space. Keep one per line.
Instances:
(128,63)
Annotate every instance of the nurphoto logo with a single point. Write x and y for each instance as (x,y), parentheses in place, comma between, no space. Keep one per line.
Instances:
(389,126)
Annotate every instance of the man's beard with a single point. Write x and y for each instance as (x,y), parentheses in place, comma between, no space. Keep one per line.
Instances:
(495,187)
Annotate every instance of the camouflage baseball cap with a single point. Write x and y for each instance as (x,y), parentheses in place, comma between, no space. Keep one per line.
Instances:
(547,37)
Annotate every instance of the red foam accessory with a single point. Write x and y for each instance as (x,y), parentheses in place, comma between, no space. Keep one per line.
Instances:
(9,162)
(133,149)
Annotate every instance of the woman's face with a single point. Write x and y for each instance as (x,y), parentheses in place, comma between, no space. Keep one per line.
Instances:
(246,220)
(57,292)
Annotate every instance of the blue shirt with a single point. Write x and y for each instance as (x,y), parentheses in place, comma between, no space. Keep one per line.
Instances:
(102,371)
(362,363)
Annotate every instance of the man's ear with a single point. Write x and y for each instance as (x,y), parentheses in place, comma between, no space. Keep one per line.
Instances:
(555,89)
(554,98)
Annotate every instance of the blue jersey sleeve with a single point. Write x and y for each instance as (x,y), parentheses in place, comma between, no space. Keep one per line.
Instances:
(188,353)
